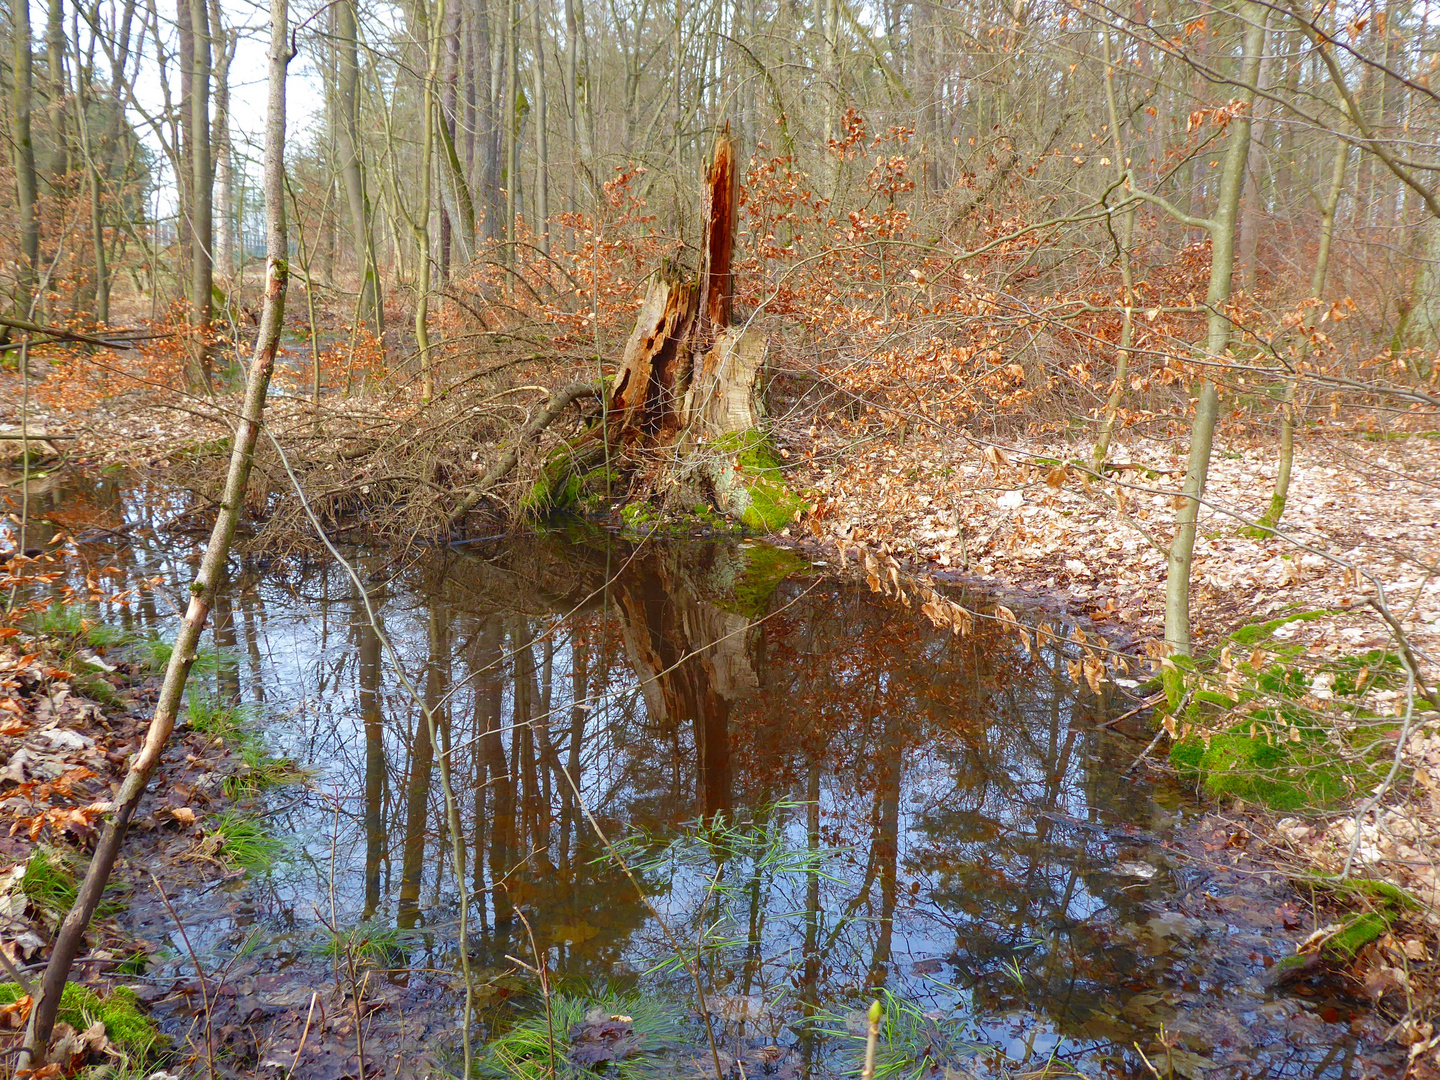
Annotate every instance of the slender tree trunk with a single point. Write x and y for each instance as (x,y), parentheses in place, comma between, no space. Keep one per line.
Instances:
(1127,276)
(511,142)
(212,566)
(94,185)
(542,146)
(202,191)
(572,103)
(224,154)
(1288,416)
(372,309)
(59,165)
(22,93)
(184,139)
(421,228)
(1222,268)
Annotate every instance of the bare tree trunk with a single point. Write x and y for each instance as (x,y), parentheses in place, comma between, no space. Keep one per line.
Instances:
(511,141)
(421,226)
(212,566)
(59,165)
(1127,275)
(224,152)
(1286,459)
(22,93)
(542,146)
(1221,227)
(202,191)
(372,308)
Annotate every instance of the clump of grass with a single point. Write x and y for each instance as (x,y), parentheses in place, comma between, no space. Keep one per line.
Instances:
(126,1024)
(243,841)
(911,1044)
(374,944)
(153,654)
(50,884)
(524,1051)
(237,725)
(74,625)
(231,722)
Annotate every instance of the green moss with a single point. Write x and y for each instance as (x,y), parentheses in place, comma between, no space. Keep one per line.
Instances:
(1356,933)
(125,1022)
(1254,633)
(1269,768)
(756,492)
(765,568)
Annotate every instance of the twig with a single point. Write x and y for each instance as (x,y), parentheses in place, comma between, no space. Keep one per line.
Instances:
(23,982)
(1147,703)
(199,974)
(305,1034)
(1146,752)
(872,1039)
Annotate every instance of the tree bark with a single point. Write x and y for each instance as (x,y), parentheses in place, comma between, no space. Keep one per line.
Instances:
(212,566)
(22,93)
(362,231)
(202,186)
(542,145)
(1222,268)
(59,165)
(225,246)
(433,24)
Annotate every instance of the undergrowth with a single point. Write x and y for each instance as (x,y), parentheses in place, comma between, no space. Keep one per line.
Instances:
(126,1024)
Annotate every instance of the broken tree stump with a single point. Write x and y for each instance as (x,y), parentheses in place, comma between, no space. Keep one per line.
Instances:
(686,414)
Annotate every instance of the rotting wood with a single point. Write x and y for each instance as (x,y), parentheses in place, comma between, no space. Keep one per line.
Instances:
(502,468)
(686,411)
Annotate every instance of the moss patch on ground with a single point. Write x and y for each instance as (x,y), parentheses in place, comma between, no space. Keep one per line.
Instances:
(1270,768)
(126,1023)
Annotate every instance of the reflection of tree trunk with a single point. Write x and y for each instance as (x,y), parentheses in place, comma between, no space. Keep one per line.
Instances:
(887,849)
(522,736)
(369,676)
(488,698)
(422,761)
(227,664)
(810,972)
(502,831)
(694,663)
(579,677)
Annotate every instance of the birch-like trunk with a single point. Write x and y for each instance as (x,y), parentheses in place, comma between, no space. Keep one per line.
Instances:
(1222,268)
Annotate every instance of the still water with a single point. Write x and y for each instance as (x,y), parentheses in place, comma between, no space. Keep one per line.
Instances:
(822,798)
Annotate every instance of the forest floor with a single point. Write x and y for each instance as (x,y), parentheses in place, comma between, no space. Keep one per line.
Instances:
(75,700)
(1364,511)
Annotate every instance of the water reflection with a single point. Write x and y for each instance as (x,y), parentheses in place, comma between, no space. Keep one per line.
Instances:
(819,792)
